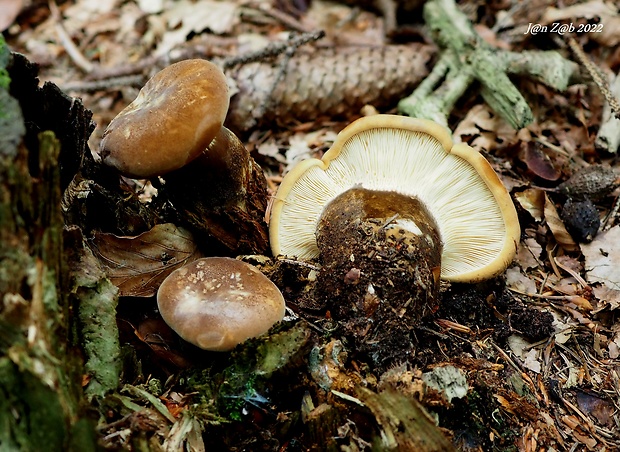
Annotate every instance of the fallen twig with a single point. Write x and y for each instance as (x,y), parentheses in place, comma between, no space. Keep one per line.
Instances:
(272,50)
(66,41)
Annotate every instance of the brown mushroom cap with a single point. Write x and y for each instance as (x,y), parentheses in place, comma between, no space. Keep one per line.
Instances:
(477,221)
(176,115)
(217,303)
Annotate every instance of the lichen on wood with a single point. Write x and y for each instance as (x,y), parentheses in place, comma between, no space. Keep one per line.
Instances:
(467,57)
(404,423)
(95,298)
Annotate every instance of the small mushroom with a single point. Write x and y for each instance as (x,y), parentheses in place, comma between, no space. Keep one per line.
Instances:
(174,128)
(172,121)
(396,203)
(217,303)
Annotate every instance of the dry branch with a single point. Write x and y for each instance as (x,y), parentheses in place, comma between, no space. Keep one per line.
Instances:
(467,57)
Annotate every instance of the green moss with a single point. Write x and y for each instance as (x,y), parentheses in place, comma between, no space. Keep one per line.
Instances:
(5,54)
(32,417)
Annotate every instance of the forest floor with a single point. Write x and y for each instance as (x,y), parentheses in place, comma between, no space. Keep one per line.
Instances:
(531,358)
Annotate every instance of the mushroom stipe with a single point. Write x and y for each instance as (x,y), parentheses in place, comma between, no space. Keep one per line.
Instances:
(380,270)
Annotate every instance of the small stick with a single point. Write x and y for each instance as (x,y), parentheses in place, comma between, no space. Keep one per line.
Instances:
(282,17)
(273,49)
(98,85)
(300,263)
(72,50)
(613,213)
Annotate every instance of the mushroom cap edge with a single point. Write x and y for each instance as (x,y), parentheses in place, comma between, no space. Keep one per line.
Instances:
(442,135)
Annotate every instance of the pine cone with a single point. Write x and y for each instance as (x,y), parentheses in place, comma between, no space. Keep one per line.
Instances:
(327,82)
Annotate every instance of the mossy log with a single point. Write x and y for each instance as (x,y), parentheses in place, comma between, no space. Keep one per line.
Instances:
(42,404)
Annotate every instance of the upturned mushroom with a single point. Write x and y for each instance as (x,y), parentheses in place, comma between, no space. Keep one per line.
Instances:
(390,209)
(217,303)
(174,128)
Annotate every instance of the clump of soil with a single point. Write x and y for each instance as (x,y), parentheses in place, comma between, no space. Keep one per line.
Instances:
(378,278)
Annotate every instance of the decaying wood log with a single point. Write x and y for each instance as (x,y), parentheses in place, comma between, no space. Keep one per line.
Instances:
(41,401)
(42,375)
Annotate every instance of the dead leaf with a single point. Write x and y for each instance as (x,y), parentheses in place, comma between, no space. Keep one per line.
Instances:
(610,297)
(532,200)
(569,263)
(519,282)
(538,163)
(186,17)
(557,227)
(514,404)
(138,265)
(9,10)
(602,256)
(269,148)
(484,130)
(614,345)
(528,254)
(522,348)
(599,408)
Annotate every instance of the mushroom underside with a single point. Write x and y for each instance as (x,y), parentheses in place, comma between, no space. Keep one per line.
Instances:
(466,202)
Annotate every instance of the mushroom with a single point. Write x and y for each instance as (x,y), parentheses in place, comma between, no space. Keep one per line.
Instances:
(217,303)
(172,121)
(174,128)
(412,161)
(390,209)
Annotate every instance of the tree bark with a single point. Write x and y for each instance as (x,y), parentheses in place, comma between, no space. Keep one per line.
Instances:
(41,401)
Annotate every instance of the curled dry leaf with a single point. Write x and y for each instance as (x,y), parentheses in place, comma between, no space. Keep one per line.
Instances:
(557,227)
(532,200)
(331,82)
(608,34)
(138,265)
(538,163)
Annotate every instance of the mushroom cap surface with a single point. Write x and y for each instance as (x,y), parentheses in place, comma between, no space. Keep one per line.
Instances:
(173,119)
(477,220)
(217,303)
